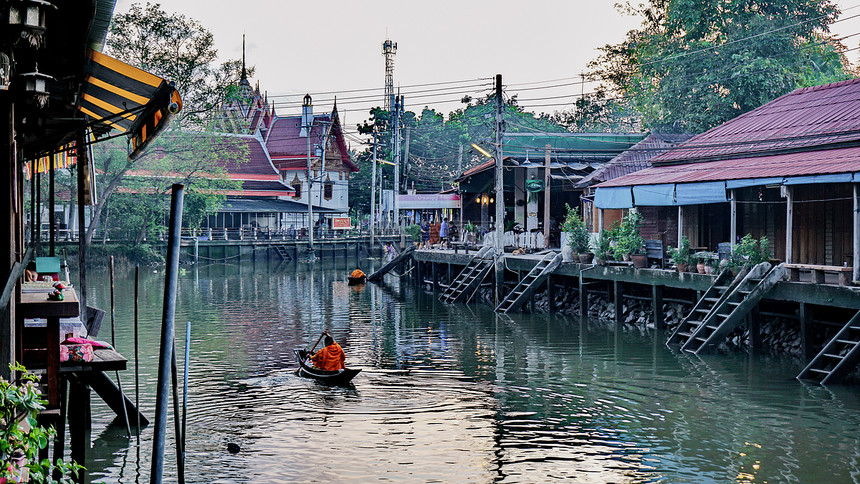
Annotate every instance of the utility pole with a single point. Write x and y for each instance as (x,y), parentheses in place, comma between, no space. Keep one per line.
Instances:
(397,108)
(307,124)
(547,180)
(459,160)
(373,197)
(406,157)
(500,195)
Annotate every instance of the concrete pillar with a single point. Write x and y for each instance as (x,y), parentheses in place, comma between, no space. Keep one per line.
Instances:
(806,335)
(583,300)
(733,228)
(856,232)
(789,219)
(657,307)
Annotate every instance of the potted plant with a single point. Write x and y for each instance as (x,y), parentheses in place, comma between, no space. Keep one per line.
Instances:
(751,251)
(603,248)
(712,266)
(577,234)
(629,241)
(21,438)
(414,231)
(701,259)
(681,255)
(471,232)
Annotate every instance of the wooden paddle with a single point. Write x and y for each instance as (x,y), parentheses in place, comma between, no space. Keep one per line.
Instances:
(317,343)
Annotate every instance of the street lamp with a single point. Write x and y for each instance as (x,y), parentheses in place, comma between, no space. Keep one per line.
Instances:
(27,19)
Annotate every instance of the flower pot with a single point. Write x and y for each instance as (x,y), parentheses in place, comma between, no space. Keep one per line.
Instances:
(626,257)
(639,260)
(700,267)
(586,258)
(566,253)
(682,267)
(709,269)
(599,261)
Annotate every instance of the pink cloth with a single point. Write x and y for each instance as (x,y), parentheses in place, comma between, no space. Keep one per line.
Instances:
(92,342)
(76,352)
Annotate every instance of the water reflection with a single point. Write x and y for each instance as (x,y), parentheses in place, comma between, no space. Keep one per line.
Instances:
(454,393)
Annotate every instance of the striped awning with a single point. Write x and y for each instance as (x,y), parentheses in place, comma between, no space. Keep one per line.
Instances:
(127,99)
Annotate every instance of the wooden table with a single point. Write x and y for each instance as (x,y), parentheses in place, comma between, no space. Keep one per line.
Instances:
(37,305)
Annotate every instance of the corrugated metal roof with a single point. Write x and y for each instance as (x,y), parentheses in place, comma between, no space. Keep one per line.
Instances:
(840,160)
(804,119)
(638,157)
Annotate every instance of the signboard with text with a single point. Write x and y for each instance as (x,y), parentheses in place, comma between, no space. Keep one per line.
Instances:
(428,201)
(341,223)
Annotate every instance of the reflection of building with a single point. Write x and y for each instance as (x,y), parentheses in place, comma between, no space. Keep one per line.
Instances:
(274,181)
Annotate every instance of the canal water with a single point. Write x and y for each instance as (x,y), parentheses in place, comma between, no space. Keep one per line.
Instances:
(453,393)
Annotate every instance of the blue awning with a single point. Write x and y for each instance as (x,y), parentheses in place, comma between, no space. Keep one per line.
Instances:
(654,195)
(613,197)
(699,193)
(753,182)
(812,179)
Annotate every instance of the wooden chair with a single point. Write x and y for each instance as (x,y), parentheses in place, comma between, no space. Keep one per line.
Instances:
(654,252)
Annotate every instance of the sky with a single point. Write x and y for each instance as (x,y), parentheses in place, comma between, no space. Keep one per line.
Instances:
(540,47)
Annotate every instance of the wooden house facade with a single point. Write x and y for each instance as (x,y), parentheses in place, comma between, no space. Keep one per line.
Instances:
(788,170)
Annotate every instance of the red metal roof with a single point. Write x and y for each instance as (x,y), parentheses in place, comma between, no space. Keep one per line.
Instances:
(803,119)
(283,140)
(479,168)
(825,161)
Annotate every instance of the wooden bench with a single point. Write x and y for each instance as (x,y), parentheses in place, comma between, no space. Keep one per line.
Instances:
(818,272)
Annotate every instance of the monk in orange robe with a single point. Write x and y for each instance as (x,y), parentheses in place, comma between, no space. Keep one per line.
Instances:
(330,358)
(357,273)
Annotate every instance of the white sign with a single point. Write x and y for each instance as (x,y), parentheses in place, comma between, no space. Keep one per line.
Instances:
(428,201)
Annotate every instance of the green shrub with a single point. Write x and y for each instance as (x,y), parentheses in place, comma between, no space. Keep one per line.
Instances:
(629,240)
(751,251)
(574,226)
(681,255)
(20,403)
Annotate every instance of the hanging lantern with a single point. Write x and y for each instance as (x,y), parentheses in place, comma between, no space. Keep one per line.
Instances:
(5,71)
(27,19)
(36,87)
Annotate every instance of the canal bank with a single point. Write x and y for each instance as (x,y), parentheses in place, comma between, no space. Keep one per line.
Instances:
(796,318)
(456,393)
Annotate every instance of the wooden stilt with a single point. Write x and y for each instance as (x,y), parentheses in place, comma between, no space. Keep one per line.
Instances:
(80,424)
(549,293)
(755,329)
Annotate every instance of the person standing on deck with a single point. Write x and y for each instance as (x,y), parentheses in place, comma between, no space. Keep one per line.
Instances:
(443,233)
(330,358)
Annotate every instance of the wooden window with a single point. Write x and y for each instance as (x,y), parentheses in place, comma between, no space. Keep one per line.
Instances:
(297,185)
(328,188)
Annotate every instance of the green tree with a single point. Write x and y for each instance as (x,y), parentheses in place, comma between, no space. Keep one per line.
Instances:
(182,51)
(700,63)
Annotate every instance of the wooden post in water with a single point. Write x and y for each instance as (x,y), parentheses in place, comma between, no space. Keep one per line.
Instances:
(755,329)
(80,424)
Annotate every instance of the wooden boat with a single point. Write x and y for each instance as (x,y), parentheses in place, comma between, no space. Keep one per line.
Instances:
(340,377)
(355,281)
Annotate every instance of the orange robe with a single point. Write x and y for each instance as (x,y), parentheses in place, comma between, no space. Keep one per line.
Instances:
(356,274)
(330,358)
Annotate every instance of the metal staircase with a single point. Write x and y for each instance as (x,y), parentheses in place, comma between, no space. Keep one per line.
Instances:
(723,284)
(407,252)
(731,310)
(468,280)
(530,283)
(839,356)
(282,251)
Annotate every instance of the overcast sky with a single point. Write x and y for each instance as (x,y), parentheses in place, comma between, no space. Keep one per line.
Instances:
(318,47)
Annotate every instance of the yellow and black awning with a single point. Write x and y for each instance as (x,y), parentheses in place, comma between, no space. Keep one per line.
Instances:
(132,101)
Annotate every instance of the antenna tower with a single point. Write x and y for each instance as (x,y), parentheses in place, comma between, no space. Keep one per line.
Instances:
(389,48)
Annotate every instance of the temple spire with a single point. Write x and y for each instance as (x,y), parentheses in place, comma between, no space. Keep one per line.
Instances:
(244,72)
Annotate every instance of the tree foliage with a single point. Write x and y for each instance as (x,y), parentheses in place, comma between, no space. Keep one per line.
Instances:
(434,145)
(178,49)
(182,51)
(701,63)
